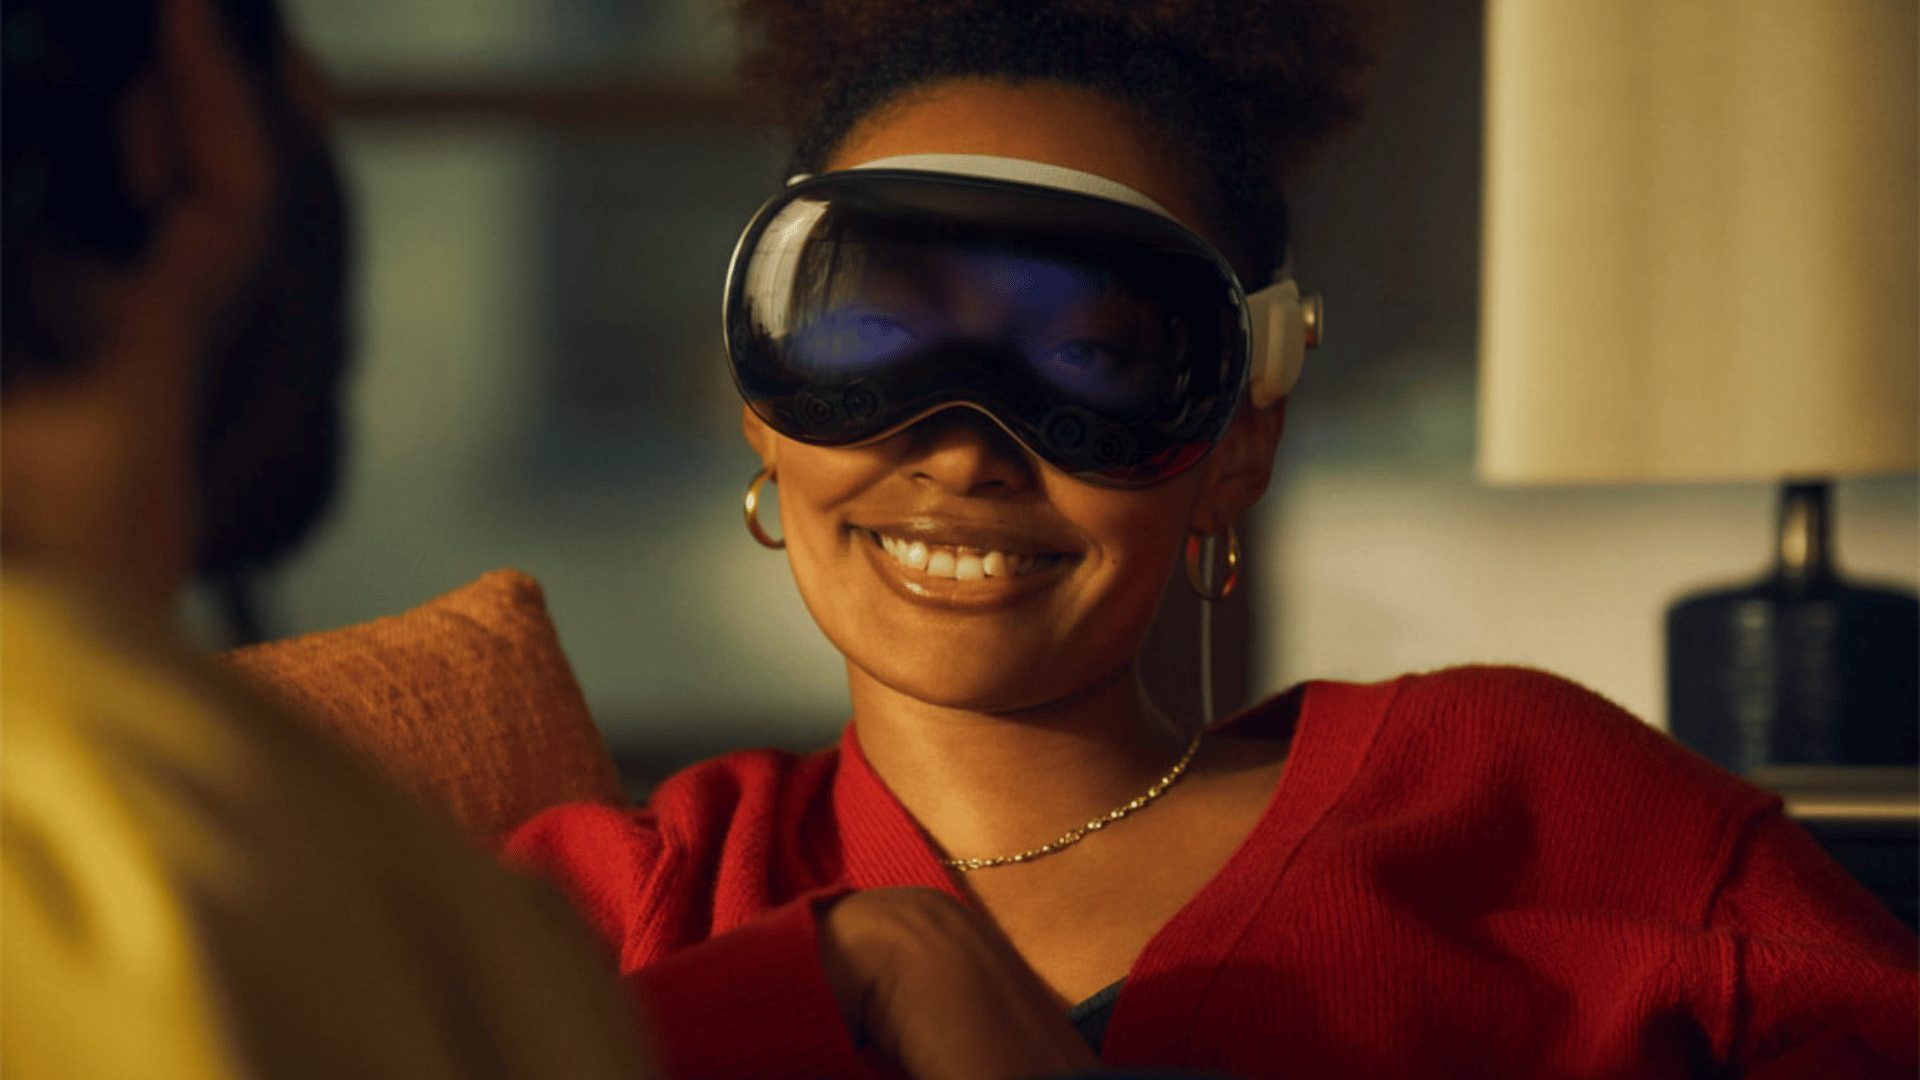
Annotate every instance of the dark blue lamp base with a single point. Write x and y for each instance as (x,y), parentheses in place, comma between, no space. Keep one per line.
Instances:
(1800,667)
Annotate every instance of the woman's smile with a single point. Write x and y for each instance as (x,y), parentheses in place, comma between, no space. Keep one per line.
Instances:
(949,564)
(963,566)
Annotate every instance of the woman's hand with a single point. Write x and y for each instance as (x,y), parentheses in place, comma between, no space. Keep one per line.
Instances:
(930,984)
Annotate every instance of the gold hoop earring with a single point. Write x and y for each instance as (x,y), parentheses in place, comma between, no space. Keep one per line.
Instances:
(1196,579)
(752,505)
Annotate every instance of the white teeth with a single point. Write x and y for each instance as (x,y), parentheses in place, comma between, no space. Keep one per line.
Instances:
(959,563)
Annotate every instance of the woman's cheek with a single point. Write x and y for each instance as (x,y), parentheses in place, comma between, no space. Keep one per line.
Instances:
(1135,531)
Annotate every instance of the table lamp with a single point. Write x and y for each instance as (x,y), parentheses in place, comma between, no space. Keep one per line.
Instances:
(1702,263)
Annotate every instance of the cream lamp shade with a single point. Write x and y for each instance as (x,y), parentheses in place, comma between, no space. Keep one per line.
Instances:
(1702,240)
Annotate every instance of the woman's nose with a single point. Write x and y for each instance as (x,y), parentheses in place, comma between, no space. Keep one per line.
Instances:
(965,453)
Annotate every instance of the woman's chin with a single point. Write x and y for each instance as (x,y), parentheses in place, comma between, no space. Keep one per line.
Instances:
(1007,679)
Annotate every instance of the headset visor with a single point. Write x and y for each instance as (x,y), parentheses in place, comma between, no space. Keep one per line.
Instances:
(1108,339)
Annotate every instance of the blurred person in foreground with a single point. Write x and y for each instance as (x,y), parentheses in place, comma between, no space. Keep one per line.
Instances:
(192,884)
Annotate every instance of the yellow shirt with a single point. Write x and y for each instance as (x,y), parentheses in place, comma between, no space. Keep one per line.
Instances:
(194,886)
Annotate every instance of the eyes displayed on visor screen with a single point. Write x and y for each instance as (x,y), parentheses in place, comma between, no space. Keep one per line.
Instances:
(1098,374)
(1108,341)
(853,339)
(1085,334)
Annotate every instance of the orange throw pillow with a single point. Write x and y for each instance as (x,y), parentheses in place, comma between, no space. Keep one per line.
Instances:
(467,701)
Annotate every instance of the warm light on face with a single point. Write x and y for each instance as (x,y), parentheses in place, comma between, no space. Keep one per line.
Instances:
(894,544)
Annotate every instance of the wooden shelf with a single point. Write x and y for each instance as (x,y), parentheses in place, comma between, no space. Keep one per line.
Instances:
(1863,794)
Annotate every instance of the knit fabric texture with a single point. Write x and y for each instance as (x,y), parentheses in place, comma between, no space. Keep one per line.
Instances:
(1479,872)
(466,701)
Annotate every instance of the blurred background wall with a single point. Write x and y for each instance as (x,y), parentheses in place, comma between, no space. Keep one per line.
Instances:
(548,191)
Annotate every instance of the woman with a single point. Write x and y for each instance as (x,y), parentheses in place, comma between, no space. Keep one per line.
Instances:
(1003,393)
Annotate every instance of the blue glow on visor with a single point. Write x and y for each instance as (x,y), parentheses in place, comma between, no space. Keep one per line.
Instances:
(1104,336)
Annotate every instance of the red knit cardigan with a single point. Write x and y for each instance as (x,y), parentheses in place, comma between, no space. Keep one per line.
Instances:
(1480,872)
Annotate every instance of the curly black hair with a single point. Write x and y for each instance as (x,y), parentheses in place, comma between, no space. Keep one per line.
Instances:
(1247,88)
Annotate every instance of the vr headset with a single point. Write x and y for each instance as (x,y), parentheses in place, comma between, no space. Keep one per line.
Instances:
(1076,313)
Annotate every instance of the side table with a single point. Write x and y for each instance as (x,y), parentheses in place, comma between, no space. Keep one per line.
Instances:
(1868,819)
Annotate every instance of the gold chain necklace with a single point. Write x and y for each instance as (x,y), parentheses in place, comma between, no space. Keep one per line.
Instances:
(1081,832)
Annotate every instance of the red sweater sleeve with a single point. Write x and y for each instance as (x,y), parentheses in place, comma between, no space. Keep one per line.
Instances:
(750,1001)
(1824,979)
